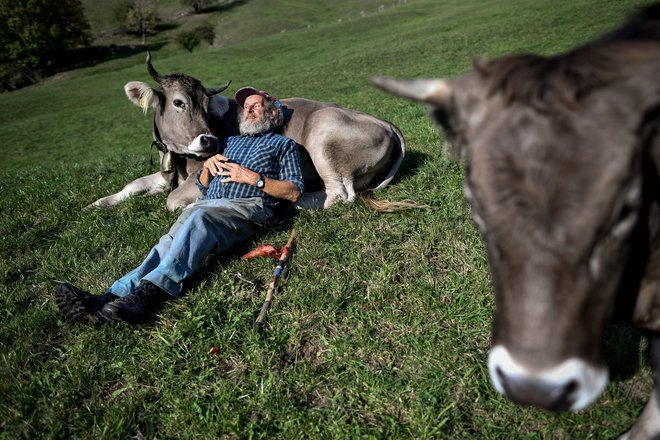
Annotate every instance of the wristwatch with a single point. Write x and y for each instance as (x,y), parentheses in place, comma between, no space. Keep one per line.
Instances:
(260,182)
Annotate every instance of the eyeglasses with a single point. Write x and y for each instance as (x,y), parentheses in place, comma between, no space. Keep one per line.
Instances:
(255,106)
(258,105)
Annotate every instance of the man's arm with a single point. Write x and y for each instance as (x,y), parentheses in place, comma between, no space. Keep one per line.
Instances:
(233,172)
(282,189)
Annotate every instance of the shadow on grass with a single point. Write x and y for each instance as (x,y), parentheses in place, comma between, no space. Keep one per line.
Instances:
(161,27)
(621,343)
(223,7)
(14,77)
(89,56)
(411,164)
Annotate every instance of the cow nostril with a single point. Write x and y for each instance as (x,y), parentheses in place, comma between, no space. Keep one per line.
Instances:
(565,400)
(571,387)
(204,141)
(536,391)
(500,374)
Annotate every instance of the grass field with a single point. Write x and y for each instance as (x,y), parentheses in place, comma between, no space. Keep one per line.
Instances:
(381,329)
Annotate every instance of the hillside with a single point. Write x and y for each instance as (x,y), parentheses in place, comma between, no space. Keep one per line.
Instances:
(381,329)
(234,20)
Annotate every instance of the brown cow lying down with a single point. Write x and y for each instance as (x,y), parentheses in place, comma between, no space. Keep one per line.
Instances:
(345,151)
(562,160)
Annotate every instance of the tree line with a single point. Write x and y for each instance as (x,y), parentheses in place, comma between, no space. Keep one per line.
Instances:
(36,32)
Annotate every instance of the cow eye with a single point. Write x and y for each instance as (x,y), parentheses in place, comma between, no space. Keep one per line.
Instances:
(625,223)
(179,103)
(619,232)
(627,217)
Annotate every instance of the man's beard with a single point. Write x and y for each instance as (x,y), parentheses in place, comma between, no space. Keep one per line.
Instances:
(254,127)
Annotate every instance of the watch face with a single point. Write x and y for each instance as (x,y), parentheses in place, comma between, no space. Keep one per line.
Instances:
(260,182)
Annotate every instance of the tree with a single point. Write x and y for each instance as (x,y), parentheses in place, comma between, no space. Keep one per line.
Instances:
(206,32)
(137,16)
(189,39)
(198,5)
(34,32)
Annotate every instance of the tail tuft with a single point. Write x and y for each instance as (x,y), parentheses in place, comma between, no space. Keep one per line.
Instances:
(387,206)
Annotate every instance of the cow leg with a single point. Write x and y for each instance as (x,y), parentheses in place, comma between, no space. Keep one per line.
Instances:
(330,174)
(349,187)
(334,190)
(184,194)
(337,190)
(147,185)
(647,425)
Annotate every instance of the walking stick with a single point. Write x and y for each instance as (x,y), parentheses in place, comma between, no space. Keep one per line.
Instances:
(286,251)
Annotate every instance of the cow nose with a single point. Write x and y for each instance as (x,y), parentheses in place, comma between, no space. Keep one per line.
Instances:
(537,392)
(205,141)
(205,144)
(569,386)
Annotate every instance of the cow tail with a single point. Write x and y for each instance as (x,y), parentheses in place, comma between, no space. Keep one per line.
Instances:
(376,205)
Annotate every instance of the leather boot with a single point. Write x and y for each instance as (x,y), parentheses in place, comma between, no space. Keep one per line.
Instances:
(137,306)
(79,306)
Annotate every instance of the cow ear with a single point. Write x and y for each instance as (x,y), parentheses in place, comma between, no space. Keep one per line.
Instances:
(437,94)
(219,105)
(141,94)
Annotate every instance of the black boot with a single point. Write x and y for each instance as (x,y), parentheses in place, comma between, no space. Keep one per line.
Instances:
(137,306)
(79,306)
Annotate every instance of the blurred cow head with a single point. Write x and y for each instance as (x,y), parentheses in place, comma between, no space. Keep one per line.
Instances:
(561,170)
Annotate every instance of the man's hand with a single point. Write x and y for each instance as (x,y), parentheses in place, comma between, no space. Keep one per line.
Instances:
(214,164)
(233,172)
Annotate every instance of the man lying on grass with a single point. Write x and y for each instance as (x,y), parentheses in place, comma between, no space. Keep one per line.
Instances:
(242,189)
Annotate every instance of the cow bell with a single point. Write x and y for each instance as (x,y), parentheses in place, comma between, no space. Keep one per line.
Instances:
(167,162)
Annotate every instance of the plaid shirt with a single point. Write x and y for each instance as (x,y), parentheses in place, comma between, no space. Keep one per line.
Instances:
(269,154)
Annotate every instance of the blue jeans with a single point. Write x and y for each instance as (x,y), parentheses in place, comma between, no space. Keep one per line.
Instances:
(205,227)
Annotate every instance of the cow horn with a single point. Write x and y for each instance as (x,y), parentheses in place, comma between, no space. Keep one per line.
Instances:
(150,68)
(211,92)
(430,91)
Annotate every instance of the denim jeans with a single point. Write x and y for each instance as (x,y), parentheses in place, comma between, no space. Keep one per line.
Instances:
(205,227)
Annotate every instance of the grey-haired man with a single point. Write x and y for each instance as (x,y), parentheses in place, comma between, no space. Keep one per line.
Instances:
(241,189)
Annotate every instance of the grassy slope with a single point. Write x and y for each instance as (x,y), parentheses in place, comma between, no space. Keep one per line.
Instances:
(382,327)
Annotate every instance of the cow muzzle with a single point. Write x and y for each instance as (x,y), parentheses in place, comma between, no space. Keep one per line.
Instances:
(569,386)
(204,145)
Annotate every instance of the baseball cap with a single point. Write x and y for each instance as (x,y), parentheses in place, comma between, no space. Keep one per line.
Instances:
(243,93)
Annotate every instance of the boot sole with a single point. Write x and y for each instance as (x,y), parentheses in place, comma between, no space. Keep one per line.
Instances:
(71,306)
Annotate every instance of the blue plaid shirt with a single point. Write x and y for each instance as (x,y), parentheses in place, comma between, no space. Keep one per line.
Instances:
(269,154)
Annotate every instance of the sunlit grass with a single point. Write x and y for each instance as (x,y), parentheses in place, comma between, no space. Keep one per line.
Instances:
(382,327)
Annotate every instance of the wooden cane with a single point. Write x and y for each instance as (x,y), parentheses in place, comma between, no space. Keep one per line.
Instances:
(277,273)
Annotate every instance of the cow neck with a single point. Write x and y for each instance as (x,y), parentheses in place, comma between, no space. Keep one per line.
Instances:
(166,163)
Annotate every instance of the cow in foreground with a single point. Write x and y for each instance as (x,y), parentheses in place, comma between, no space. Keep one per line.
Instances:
(562,161)
(344,151)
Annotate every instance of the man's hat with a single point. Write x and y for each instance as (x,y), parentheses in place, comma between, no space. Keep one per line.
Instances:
(243,93)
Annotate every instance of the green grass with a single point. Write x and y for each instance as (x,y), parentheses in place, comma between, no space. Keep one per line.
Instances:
(381,329)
